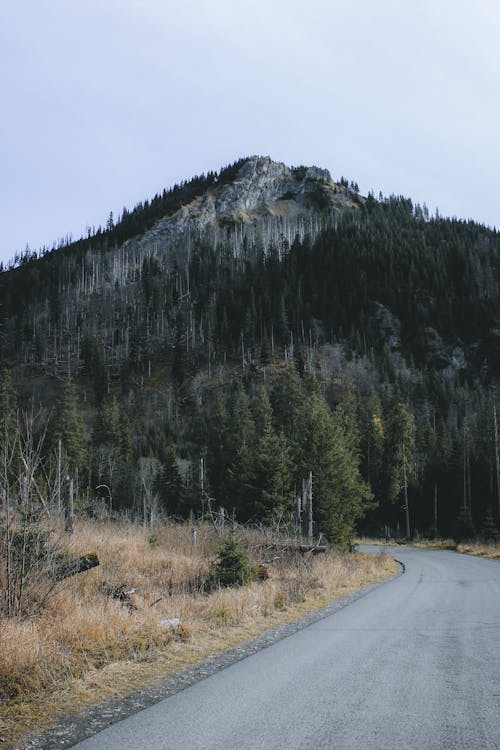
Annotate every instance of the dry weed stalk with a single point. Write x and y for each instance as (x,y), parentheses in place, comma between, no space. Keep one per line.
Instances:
(29,551)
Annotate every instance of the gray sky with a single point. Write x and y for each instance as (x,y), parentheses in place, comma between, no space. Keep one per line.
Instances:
(105,102)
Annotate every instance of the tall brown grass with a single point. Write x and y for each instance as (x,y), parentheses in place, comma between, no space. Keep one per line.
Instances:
(481,549)
(82,628)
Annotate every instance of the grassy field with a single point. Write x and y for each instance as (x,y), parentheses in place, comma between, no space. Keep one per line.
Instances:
(103,633)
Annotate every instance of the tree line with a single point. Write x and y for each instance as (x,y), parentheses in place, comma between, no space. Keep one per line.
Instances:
(368,353)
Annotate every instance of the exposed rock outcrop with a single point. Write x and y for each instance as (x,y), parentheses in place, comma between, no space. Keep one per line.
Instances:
(266,193)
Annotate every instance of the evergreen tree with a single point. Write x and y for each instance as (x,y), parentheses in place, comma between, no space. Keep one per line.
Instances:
(282,333)
(489,529)
(233,567)
(241,493)
(107,429)
(341,497)
(241,425)
(373,437)
(170,485)
(272,466)
(218,446)
(286,399)
(265,352)
(399,456)
(67,427)
(94,365)
(464,526)
(8,409)
(9,448)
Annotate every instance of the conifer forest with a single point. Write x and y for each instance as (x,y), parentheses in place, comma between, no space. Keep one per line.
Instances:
(183,358)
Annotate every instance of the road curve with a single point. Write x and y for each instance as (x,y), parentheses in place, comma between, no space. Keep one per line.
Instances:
(414,664)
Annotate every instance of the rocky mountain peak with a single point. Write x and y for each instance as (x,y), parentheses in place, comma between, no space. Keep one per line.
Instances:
(272,177)
(262,190)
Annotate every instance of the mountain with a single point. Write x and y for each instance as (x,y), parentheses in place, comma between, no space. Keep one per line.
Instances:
(265,301)
(264,194)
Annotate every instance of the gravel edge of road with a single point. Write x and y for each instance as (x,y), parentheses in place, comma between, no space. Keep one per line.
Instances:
(71,730)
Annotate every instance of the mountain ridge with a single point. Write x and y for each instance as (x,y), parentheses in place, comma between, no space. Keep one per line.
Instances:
(247,190)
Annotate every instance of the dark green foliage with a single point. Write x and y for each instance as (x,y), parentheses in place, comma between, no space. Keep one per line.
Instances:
(94,363)
(67,427)
(341,497)
(464,526)
(232,567)
(107,429)
(8,418)
(170,484)
(489,530)
(318,198)
(112,453)
(260,479)
(399,450)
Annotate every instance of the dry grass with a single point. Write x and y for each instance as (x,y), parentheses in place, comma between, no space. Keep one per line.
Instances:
(472,547)
(433,544)
(437,543)
(86,645)
(481,549)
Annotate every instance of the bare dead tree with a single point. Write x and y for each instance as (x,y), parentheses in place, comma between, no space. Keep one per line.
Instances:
(29,554)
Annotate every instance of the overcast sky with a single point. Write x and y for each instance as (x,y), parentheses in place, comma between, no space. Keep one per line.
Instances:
(105,102)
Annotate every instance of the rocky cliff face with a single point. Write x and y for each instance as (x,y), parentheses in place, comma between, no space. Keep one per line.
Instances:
(264,192)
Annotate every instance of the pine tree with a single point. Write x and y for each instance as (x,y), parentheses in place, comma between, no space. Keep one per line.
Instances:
(233,567)
(107,428)
(399,456)
(489,529)
(67,426)
(464,526)
(94,365)
(286,400)
(9,447)
(8,408)
(170,484)
(282,333)
(341,497)
(241,424)
(272,465)
(218,446)
(241,493)
(124,437)
(265,351)
(373,437)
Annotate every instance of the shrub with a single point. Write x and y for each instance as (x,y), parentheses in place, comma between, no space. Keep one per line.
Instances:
(29,560)
(232,567)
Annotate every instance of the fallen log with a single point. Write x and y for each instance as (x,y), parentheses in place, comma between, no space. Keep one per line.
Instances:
(313,550)
(73,567)
(295,546)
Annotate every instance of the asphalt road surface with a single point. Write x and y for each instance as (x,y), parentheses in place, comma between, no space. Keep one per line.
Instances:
(413,664)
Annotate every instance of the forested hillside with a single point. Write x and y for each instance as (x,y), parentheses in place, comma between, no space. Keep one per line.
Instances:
(217,344)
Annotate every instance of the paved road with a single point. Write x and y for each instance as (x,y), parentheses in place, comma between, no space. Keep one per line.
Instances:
(414,664)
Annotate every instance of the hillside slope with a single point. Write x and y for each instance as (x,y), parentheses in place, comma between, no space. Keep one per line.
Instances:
(244,303)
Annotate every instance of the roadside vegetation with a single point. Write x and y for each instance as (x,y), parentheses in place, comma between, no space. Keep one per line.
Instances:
(478,547)
(160,599)
(96,601)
